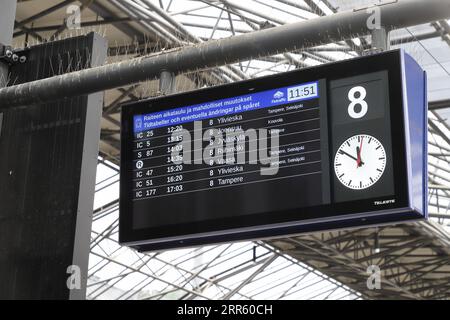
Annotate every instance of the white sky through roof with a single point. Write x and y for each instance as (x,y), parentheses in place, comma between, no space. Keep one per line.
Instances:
(190,268)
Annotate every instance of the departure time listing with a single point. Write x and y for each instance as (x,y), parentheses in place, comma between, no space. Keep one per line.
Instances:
(235,142)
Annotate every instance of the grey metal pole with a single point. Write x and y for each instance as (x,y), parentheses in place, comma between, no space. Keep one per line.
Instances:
(7,16)
(327,29)
(89,156)
(381,39)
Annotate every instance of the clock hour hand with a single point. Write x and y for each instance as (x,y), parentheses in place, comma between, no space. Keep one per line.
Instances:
(349,155)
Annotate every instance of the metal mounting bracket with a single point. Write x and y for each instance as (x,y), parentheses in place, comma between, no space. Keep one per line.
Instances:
(10,56)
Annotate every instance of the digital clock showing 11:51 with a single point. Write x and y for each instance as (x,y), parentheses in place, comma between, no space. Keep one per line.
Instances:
(304,91)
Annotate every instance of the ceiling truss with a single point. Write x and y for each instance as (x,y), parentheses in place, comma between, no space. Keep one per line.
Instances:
(414,258)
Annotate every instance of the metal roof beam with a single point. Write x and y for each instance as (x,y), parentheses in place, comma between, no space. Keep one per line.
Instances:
(270,41)
(106,13)
(439,105)
(41,14)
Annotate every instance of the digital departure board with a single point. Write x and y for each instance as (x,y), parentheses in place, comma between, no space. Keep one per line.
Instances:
(327,147)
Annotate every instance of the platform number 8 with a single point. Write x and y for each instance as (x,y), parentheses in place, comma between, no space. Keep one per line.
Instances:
(356,96)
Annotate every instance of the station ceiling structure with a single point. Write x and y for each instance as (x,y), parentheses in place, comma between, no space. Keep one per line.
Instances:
(415,257)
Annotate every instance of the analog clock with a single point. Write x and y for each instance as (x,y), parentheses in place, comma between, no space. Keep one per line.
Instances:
(360,162)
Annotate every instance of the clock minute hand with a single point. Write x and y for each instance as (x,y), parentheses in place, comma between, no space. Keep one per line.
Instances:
(358,152)
(358,160)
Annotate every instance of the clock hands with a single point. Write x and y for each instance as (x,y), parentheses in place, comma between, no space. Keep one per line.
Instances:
(352,157)
(370,166)
(359,162)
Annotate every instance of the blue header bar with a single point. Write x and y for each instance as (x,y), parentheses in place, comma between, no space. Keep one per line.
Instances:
(226,107)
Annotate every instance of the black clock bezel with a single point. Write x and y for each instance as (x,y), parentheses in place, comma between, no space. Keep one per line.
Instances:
(343,143)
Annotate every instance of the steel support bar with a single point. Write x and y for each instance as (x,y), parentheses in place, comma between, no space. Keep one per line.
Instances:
(380,39)
(167,83)
(106,13)
(438,105)
(41,14)
(271,41)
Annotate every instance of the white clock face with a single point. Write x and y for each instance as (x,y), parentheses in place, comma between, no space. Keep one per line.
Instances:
(360,162)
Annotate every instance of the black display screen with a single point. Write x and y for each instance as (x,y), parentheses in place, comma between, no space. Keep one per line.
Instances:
(301,146)
(191,189)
